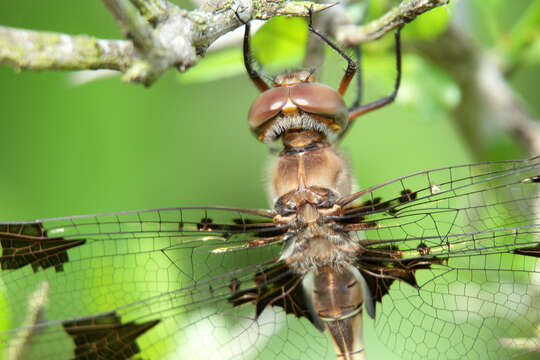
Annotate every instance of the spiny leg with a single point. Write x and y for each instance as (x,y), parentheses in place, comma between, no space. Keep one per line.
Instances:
(359,78)
(360,110)
(358,54)
(253,74)
(351,66)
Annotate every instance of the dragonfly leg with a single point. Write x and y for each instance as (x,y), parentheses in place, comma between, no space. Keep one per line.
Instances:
(248,58)
(363,109)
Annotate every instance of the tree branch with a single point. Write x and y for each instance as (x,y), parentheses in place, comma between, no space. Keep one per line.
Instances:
(405,12)
(151,10)
(39,50)
(487,98)
(132,23)
(163,35)
(37,302)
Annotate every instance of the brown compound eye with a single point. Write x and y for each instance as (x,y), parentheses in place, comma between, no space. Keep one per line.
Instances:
(267,105)
(320,99)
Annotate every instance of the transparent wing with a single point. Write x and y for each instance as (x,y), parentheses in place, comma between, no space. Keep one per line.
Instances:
(454,255)
(151,283)
(450,255)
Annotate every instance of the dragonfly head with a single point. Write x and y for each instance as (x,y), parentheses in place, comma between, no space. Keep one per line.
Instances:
(297,102)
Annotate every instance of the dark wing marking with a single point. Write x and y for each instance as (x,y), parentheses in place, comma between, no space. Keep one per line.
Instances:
(375,205)
(104,337)
(487,208)
(382,266)
(195,322)
(529,251)
(455,237)
(276,286)
(448,240)
(28,244)
(171,265)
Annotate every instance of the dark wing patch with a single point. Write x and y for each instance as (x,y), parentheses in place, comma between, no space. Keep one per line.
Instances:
(381,266)
(529,251)
(263,227)
(276,286)
(28,244)
(406,196)
(105,337)
(355,214)
(205,224)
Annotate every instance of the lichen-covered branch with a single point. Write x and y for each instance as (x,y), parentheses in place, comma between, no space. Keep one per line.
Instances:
(159,41)
(163,36)
(151,10)
(405,12)
(40,50)
(135,27)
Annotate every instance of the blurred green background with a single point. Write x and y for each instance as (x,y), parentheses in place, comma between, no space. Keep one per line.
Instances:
(108,146)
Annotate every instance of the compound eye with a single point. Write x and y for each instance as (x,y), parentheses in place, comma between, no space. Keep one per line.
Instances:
(320,99)
(267,105)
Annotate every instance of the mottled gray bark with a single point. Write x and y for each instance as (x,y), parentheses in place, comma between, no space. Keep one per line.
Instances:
(161,36)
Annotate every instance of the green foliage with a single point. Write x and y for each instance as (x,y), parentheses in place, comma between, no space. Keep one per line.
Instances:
(518,43)
(279,43)
(428,89)
(511,32)
(523,40)
(425,89)
(214,66)
(377,8)
(429,25)
(531,55)
(108,146)
(282,40)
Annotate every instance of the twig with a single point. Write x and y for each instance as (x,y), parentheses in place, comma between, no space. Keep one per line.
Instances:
(164,36)
(487,98)
(135,27)
(151,10)
(503,105)
(37,302)
(39,50)
(405,12)
(174,40)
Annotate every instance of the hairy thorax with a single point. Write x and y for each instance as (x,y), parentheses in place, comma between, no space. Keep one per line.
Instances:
(308,178)
(316,166)
(312,246)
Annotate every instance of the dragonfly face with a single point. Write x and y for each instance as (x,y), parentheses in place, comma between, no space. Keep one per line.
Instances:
(441,259)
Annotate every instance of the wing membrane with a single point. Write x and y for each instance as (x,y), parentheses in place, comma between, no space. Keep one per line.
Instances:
(466,222)
(148,266)
(451,255)
(452,212)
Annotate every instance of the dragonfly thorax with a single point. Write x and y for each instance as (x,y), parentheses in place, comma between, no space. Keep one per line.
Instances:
(314,245)
(308,170)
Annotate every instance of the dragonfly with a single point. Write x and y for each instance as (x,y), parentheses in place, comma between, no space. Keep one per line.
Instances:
(441,264)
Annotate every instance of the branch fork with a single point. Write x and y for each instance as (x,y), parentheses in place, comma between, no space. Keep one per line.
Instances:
(161,34)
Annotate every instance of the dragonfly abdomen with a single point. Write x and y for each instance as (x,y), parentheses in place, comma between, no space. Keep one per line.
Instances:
(337,301)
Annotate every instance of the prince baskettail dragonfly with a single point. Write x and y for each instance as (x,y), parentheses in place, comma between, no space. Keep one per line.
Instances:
(442,264)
